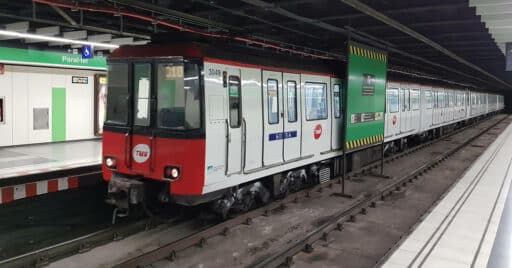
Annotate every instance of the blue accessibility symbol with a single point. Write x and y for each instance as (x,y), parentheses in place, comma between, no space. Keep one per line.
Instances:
(87,52)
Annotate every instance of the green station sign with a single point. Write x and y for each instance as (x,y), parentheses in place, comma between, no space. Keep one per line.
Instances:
(366,96)
(50,59)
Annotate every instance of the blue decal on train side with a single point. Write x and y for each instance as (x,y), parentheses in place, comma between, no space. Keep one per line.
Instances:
(282,135)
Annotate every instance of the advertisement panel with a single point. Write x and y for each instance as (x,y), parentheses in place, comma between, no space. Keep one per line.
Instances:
(366,94)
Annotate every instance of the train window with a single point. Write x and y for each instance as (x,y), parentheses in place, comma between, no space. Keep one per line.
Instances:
(405,100)
(2,110)
(440,99)
(142,93)
(393,101)
(178,93)
(235,109)
(316,101)
(415,99)
(118,95)
(428,99)
(292,101)
(337,100)
(273,101)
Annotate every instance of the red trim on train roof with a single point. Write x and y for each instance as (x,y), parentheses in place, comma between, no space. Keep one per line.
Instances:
(156,51)
(266,68)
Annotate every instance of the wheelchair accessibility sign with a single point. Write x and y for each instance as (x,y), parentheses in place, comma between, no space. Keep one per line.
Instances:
(87,52)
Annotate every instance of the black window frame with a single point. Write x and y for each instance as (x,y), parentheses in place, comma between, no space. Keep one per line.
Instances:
(397,92)
(326,101)
(294,101)
(135,97)
(153,130)
(268,102)
(239,96)
(340,98)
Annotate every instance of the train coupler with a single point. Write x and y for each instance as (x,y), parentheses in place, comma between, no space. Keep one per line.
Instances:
(123,194)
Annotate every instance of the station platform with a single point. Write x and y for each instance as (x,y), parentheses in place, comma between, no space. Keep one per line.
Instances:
(471,226)
(30,170)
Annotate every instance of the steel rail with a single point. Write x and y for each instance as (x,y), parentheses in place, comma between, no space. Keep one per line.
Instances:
(170,250)
(359,206)
(85,243)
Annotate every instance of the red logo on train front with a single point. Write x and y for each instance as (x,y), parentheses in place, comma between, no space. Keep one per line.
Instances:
(317,132)
(394,119)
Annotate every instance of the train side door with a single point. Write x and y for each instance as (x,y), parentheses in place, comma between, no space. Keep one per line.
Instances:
(234,121)
(291,120)
(273,135)
(404,115)
(337,113)
(427,109)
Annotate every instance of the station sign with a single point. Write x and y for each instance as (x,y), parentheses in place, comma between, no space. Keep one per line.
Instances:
(32,57)
(366,96)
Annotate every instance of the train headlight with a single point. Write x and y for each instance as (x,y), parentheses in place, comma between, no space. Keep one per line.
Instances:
(110,162)
(172,173)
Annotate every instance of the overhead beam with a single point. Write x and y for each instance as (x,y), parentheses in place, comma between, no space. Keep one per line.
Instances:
(185,17)
(78,27)
(395,24)
(21,27)
(64,15)
(423,24)
(255,18)
(46,31)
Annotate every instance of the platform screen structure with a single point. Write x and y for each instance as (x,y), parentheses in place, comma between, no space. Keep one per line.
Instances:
(366,95)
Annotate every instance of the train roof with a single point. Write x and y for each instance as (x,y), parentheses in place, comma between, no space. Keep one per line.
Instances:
(230,53)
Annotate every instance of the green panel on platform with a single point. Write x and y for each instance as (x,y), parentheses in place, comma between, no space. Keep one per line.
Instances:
(58,114)
(366,95)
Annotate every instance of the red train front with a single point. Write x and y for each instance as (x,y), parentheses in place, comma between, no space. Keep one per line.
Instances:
(164,140)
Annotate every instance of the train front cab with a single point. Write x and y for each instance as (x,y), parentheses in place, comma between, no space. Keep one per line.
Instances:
(154,129)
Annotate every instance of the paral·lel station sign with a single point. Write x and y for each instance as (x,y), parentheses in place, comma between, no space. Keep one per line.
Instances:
(50,58)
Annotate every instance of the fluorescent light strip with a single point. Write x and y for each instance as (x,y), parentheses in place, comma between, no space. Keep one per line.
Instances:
(55,39)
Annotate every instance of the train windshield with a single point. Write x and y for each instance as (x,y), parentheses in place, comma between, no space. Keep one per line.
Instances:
(163,94)
(178,96)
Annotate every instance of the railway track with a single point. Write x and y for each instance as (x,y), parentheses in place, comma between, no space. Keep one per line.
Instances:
(199,238)
(359,205)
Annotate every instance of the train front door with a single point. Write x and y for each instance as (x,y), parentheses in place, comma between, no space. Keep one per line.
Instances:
(273,118)
(234,121)
(142,141)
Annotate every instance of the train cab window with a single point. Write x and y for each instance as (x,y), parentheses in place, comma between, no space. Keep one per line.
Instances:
(337,100)
(118,95)
(142,93)
(178,93)
(428,99)
(393,105)
(235,109)
(415,99)
(316,101)
(292,101)
(273,101)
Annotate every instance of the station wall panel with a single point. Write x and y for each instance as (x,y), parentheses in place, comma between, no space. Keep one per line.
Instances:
(6,95)
(44,105)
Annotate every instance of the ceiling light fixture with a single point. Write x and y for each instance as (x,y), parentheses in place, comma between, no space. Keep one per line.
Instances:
(56,39)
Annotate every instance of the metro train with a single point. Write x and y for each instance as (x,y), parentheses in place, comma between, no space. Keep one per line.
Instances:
(192,124)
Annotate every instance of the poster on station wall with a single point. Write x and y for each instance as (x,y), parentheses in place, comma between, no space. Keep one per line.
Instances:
(366,96)
(100,103)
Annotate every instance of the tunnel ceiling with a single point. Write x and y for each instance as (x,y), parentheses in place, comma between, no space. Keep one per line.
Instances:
(433,39)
